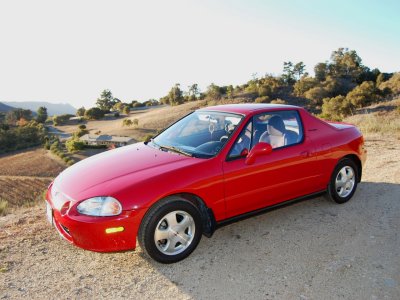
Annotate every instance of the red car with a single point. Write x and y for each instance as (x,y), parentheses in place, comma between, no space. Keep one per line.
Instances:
(214,166)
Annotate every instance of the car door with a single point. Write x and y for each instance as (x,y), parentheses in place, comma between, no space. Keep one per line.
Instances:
(288,172)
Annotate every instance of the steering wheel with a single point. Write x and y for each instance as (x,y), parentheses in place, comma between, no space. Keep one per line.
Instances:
(211,128)
(223,138)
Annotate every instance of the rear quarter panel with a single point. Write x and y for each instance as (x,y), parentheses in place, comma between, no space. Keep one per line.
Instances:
(332,144)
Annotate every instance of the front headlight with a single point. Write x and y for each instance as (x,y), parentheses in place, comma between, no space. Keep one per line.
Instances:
(100,207)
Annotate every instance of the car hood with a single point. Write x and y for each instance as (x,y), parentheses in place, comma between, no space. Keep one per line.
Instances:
(104,167)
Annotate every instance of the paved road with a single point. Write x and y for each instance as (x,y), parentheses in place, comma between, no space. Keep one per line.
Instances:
(60,134)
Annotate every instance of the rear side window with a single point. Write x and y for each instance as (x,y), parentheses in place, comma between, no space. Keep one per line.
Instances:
(277,128)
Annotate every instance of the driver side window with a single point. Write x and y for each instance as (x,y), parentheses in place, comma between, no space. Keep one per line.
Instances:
(243,142)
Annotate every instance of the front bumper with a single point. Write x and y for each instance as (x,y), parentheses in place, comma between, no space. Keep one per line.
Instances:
(89,232)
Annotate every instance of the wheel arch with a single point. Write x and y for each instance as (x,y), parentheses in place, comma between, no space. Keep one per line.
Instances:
(358,163)
(206,213)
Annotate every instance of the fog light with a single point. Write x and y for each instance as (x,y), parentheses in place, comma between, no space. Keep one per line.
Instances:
(114,229)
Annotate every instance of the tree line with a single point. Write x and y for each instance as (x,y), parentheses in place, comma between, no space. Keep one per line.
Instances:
(19,129)
(107,103)
(339,86)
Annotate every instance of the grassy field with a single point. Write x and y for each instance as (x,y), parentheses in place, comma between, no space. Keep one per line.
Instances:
(36,162)
(24,176)
(378,119)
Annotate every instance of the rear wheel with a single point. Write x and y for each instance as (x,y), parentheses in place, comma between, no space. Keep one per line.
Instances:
(343,183)
(170,230)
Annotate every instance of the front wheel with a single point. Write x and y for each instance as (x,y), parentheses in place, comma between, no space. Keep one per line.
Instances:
(170,230)
(343,183)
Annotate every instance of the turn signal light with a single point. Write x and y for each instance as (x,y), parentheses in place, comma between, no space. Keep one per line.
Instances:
(114,229)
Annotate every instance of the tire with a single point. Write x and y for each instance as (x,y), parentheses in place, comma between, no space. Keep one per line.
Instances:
(170,230)
(343,183)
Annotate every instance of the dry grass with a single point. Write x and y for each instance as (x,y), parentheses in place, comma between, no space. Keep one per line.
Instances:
(378,119)
(30,163)
(18,192)
(24,176)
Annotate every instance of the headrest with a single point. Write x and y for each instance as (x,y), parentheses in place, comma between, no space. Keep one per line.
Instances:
(276,126)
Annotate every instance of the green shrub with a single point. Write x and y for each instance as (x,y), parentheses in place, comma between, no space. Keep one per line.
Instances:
(332,108)
(264,90)
(127,122)
(74,145)
(46,145)
(55,145)
(363,94)
(316,95)
(94,113)
(3,207)
(20,137)
(303,85)
(392,85)
(61,119)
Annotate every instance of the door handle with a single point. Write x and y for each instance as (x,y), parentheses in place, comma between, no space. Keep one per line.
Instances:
(305,154)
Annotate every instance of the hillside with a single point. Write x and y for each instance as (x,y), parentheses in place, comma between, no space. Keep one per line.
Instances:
(380,119)
(150,121)
(5,108)
(52,108)
(24,176)
(354,246)
(155,119)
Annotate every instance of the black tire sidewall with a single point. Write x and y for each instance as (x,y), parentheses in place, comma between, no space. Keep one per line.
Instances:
(151,224)
(332,189)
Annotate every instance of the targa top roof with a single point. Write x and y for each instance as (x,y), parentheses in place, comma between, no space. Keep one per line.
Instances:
(246,108)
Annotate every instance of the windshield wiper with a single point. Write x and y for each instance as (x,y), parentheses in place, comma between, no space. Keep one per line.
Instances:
(172,148)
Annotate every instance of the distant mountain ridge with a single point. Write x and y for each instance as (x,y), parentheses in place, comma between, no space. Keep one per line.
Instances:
(52,108)
(5,108)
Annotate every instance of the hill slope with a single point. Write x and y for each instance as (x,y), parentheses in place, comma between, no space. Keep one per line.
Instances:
(5,108)
(52,108)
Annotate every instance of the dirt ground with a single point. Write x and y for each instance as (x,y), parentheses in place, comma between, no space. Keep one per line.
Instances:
(310,250)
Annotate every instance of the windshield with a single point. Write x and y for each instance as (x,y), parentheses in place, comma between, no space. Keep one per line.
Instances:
(200,134)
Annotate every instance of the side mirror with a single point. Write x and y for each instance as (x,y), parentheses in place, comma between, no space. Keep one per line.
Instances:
(258,150)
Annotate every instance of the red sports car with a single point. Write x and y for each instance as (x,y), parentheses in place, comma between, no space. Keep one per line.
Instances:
(214,166)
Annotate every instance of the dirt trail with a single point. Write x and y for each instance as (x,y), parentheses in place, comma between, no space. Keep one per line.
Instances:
(25,177)
(311,250)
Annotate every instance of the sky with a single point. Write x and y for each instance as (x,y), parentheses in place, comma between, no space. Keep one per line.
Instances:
(69,51)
